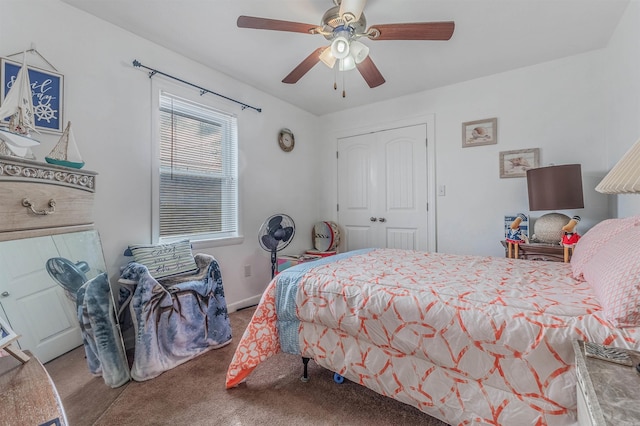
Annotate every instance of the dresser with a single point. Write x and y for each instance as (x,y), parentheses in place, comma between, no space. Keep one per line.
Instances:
(43,199)
(44,214)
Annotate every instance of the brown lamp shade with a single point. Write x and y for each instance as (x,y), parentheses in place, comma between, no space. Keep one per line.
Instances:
(555,187)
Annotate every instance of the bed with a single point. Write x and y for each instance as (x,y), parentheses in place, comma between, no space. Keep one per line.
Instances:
(465,339)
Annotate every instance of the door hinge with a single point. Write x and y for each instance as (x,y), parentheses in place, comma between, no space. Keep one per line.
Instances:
(336,154)
(337,207)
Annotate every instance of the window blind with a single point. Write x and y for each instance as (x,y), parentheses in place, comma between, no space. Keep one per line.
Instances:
(198,170)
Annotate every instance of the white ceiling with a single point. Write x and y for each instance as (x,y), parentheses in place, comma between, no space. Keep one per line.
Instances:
(490,36)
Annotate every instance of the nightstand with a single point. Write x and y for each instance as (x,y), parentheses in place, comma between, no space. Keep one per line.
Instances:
(608,393)
(539,251)
(285,262)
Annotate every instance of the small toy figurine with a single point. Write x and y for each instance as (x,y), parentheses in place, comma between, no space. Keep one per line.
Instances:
(569,236)
(514,235)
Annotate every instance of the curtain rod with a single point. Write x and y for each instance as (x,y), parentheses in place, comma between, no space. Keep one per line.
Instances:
(153,72)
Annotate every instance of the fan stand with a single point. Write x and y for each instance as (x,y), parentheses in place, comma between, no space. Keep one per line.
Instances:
(274,261)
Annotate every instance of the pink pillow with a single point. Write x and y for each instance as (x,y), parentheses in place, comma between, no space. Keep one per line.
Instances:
(614,275)
(592,241)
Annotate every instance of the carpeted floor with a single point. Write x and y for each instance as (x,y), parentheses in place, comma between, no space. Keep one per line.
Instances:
(194,394)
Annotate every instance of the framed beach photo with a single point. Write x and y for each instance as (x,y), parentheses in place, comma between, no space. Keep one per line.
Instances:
(480,132)
(47,88)
(516,163)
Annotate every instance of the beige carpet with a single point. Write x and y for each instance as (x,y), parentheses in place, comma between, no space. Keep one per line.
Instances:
(194,394)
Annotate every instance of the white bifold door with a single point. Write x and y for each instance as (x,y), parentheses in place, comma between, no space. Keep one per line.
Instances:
(382,189)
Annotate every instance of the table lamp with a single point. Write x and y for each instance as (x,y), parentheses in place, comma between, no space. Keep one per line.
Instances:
(624,178)
(553,188)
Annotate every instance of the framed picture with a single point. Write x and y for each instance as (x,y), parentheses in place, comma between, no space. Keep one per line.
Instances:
(7,335)
(516,163)
(47,88)
(480,132)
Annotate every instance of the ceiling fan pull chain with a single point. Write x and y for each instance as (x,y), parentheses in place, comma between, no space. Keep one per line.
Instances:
(344,93)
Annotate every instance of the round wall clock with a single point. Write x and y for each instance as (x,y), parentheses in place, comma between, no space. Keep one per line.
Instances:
(286,140)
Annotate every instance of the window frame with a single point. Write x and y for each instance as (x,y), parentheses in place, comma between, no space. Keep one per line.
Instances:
(197,242)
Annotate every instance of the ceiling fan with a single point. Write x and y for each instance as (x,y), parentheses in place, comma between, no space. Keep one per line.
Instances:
(343,25)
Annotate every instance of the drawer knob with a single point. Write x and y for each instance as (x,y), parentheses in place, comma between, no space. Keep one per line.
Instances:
(50,210)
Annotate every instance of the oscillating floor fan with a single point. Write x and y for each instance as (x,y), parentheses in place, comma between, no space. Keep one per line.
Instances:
(69,275)
(275,234)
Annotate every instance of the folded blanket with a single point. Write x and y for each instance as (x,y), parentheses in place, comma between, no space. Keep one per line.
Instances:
(176,321)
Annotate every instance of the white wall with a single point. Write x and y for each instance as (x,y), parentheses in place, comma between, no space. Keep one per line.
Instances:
(567,108)
(108,102)
(556,106)
(623,98)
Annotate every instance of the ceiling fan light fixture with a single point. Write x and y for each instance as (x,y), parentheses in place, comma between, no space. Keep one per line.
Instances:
(359,51)
(347,63)
(327,57)
(340,47)
(350,10)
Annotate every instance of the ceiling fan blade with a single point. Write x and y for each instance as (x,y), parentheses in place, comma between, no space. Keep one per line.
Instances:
(274,24)
(370,73)
(304,67)
(414,31)
(353,8)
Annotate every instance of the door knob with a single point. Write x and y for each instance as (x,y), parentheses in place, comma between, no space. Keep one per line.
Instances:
(382,219)
(5,294)
(373,219)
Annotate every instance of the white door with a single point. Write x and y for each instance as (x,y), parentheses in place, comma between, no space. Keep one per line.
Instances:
(382,189)
(36,307)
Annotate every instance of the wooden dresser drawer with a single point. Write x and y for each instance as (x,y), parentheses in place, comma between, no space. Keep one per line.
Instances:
(38,195)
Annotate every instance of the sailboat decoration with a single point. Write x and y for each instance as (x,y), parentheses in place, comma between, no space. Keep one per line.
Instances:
(18,104)
(66,153)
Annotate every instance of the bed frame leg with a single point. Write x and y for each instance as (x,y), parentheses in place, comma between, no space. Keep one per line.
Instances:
(305,375)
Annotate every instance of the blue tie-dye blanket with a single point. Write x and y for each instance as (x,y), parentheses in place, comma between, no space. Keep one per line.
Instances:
(102,343)
(178,319)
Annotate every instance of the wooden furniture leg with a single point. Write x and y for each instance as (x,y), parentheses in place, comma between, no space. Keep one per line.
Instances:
(10,345)
(15,351)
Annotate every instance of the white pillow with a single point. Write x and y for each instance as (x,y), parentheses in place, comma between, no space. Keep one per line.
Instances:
(165,260)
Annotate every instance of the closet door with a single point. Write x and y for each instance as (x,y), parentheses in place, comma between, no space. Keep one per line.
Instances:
(382,189)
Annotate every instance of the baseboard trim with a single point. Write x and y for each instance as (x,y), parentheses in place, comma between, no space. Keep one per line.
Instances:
(252,301)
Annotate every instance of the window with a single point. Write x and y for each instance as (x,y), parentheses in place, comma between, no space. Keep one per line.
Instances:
(198,182)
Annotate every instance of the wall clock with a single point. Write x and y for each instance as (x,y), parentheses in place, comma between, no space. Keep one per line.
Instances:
(286,140)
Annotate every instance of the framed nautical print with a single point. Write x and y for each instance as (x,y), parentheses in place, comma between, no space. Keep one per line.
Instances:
(47,88)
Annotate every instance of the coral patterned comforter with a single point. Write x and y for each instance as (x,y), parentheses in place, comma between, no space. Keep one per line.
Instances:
(466,339)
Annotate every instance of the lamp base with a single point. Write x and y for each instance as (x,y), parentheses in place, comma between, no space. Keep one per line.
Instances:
(548,228)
